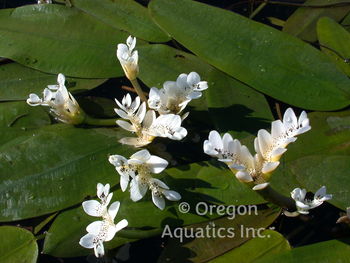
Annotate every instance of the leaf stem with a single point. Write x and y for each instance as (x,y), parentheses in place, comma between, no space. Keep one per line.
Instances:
(100,122)
(269,194)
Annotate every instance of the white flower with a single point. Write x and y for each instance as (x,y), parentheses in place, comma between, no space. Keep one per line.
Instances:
(158,100)
(146,125)
(129,59)
(139,167)
(141,161)
(272,146)
(63,105)
(103,231)
(256,171)
(175,95)
(127,107)
(168,125)
(95,208)
(304,205)
(159,189)
(122,166)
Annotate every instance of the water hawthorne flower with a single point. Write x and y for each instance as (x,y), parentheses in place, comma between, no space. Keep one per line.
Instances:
(304,205)
(105,230)
(145,124)
(175,96)
(255,172)
(63,105)
(139,167)
(128,59)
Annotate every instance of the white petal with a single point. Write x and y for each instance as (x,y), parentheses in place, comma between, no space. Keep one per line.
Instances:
(149,118)
(113,209)
(87,241)
(92,208)
(99,190)
(126,125)
(159,183)
(124,181)
(94,227)
(289,119)
(244,176)
(122,114)
(121,224)
(137,191)
(171,195)
(158,201)
(99,249)
(142,155)
(193,78)
(33,100)
(181,81)
(269,167)
(156,164)
(260,186)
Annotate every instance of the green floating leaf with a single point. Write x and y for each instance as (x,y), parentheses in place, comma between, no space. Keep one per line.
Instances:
(302,23)
(264,58)
(18,118)
(330,171)
(125,15)
(55,168)
(65,232)
(226,97)
(160,63)
(17,82)
(337,250)
(78,45)
(18,245)
(334,37)
(270,243)
(207,240)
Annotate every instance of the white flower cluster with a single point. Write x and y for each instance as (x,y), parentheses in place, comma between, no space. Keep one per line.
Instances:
(145,124)
(175,95)
(304,205)
(63,105)
(139,167)
(101,231)
(256,171)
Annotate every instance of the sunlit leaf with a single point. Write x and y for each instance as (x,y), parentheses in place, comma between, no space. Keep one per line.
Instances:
(236,108)
(302,23)
(59,39)
(125,15)
(334,37)
(262,57)
(55,168)
(19,245)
